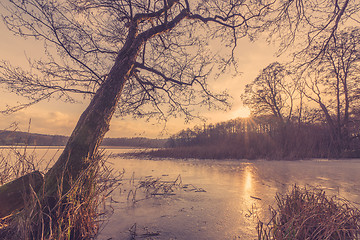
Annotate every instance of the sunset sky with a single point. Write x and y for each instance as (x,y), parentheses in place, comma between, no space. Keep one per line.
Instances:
(56,117)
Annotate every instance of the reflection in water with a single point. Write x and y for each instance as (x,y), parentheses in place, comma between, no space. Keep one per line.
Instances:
(248,180)
(249,188)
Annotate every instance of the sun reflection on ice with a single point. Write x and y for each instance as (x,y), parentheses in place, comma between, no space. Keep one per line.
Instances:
(248,179)
(249,186)
(249,202)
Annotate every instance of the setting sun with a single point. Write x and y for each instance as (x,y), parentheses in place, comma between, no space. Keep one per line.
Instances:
(242,112)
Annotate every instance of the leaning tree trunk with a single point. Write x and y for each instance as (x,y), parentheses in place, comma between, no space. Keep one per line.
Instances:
(95,120)
(85,138)
(92,126)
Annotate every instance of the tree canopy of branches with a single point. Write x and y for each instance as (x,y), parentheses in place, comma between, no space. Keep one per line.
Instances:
(83,38)
(173,53)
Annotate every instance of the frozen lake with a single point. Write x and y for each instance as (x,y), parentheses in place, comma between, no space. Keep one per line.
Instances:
(232,189)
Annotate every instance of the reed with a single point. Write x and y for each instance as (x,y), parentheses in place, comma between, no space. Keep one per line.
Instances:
(152,187)
(79,214)
(305,213)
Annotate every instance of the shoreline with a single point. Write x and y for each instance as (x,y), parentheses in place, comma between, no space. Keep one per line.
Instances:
(152,155)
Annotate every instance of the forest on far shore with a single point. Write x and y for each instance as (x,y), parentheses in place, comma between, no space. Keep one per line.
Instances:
(259,137)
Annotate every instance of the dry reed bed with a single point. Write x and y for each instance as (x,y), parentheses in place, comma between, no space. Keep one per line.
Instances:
(309,214)
(77,215)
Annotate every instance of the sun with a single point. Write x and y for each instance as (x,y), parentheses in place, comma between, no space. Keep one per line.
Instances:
(242,112)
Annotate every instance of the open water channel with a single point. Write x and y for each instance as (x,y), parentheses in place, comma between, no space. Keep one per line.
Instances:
(217,199)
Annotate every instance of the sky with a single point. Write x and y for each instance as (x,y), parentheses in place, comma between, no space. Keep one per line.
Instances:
(56,117)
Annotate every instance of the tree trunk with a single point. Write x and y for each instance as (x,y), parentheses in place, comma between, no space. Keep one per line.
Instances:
(82,144)
(84,140)
(92,126)
(95,120)
(15,193)
(335,149)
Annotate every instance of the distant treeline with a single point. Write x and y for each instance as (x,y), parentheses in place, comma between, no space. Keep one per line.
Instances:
(8,138)
(135,142)
(257,137)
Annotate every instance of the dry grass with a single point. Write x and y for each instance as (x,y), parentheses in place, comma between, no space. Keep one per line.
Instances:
(151,187)
(310,214)
(77,215)
(18,161)
(156,186)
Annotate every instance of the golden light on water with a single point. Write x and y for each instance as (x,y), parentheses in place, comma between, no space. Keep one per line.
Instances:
(249,202)
(248,180)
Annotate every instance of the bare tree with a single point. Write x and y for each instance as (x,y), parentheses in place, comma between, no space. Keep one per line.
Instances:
(271,93)
(332,82)
(151,55)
